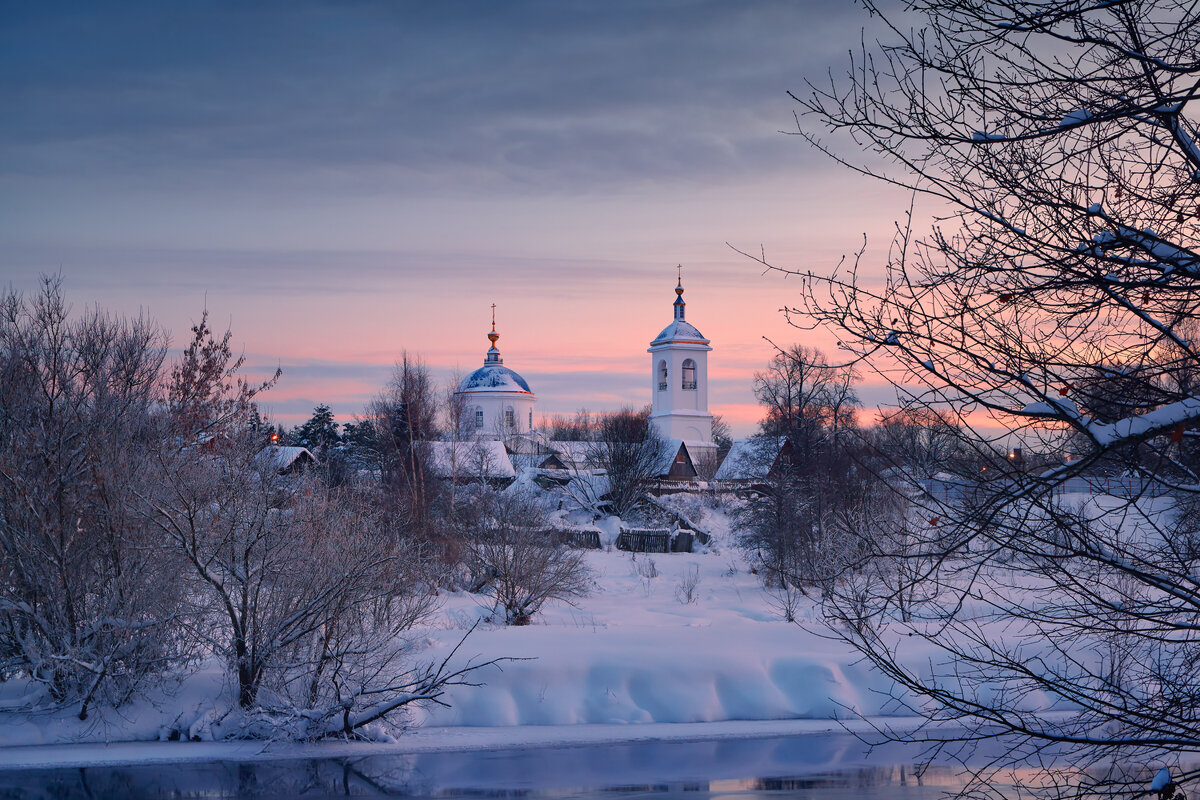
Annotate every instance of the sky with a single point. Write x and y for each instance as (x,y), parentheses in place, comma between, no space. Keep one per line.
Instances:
(341,182)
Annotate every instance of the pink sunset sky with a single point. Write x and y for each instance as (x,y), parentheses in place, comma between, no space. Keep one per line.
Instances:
(339,183)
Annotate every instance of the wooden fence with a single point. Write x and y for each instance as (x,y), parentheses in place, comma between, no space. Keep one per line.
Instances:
(583,540)
(655,540)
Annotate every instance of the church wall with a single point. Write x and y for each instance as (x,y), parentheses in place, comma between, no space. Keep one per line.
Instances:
(493,407)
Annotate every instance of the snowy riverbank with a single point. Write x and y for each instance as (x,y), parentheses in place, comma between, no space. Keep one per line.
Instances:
(633,660)
(420,740)
(635,652)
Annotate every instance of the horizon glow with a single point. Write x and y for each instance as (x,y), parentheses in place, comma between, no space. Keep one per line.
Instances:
(340,183)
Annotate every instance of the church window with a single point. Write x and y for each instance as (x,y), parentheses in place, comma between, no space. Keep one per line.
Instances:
(510,419)
(479,418)
(689,374)
(662,376)
(531,419)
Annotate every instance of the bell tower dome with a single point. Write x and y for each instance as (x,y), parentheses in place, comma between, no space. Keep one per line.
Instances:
(679,378)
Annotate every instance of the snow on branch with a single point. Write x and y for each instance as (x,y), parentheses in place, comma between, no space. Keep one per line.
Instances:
(1144,425)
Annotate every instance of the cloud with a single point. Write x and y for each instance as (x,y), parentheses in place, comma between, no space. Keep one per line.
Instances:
(532,96)
(340,181)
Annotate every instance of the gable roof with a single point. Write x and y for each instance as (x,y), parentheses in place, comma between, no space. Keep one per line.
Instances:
(666,459)
(479,458)
(282,459)
(582,456)
(751,459)
(577,455)
(546,461)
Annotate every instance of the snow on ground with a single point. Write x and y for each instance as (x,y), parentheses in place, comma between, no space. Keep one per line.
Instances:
(636,652)
(636,660)
(189,704)
(633,654)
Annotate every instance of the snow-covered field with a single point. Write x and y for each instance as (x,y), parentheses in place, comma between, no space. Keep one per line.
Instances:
(632,660)
(636,652)
(640,658)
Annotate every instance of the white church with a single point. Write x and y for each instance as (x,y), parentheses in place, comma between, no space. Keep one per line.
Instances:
(498,403)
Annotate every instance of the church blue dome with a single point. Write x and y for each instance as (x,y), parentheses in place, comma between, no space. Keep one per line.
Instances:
(494,377)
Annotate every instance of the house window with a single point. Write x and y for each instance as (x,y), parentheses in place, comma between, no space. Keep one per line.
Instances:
(662,376)
(689,374)
(479,418)
(510,419)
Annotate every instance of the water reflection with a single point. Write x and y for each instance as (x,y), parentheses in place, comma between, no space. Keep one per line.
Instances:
(817,767)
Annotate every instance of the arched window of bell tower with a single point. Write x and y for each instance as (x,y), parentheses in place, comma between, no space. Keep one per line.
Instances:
(662,376)
(689,374)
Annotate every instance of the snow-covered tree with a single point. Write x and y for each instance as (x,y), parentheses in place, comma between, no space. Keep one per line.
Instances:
(629,451)
(792,523)
(513,558)
(1055,142)
(300,587)
(87,601)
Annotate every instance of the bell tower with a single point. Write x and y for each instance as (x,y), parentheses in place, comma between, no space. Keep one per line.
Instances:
(679,378)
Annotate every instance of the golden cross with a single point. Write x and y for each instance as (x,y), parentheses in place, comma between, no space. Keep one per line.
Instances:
(493,316)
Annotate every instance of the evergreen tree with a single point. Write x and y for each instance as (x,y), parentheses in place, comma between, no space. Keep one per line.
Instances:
(360,445)
(320,433)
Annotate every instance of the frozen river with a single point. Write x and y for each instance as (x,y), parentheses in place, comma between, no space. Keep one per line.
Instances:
(820,767)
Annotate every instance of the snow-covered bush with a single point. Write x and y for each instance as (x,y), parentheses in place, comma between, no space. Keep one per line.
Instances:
(305,590)
(514,557)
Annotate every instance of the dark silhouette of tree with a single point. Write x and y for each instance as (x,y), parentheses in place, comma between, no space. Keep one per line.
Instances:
(1055,142)
(320,433)
(630,452)
(402,417)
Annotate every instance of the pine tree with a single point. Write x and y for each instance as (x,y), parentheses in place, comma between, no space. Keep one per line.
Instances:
(320,432)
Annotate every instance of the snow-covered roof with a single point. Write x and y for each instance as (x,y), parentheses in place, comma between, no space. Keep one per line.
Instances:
(679,331)
(589,487)
(282,458)
(493,377)
(750,459)
(583,455)
(574,454)
(481,458)
(531,443)
(548,461)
